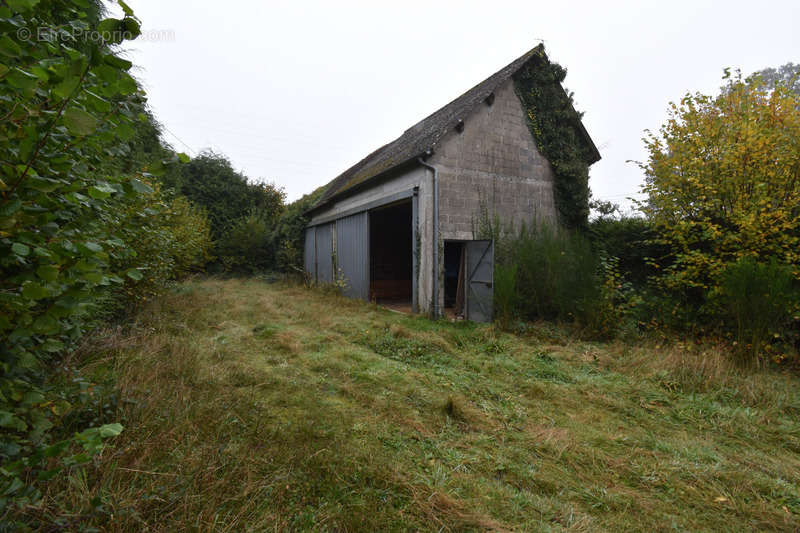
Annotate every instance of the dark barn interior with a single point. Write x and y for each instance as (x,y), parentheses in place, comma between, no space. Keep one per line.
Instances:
(454,278)
(391,258)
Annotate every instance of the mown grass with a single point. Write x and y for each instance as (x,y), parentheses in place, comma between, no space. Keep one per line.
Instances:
(258,407)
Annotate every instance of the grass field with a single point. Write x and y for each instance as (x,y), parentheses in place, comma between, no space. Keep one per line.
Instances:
(258,407)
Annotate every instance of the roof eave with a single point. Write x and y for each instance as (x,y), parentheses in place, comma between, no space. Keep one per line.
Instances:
(367,183)
(594,153)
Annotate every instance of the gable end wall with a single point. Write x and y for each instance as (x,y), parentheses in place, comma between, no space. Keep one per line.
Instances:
(495,159)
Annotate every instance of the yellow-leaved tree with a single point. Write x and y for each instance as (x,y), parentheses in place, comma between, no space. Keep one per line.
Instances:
(723,182)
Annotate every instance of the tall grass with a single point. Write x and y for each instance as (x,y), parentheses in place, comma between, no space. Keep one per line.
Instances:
(505,294)
(253,406)
(557,274)
(544,272)
(551,274)
(757,300)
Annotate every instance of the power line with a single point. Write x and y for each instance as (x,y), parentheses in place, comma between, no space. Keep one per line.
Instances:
(194,153)
(617,196)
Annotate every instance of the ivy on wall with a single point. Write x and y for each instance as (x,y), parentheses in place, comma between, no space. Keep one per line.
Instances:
(553,122)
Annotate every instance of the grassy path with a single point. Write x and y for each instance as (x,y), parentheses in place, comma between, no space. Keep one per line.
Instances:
(257,407)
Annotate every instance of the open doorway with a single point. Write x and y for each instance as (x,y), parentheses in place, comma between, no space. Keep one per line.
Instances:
(454,279)
(469,280)
(391,256)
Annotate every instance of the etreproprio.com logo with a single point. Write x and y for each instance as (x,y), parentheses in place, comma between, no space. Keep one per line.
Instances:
(75,35)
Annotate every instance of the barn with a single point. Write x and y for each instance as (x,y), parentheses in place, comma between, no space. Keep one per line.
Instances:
(399,227)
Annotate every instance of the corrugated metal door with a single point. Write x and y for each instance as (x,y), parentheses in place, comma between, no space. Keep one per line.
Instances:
(480,280)
(352,254)
(310,253)
(325,253)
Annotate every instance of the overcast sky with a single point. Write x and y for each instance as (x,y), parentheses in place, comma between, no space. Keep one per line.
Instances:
(296,92)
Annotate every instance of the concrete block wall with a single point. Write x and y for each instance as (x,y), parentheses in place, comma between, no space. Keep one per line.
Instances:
(493,159)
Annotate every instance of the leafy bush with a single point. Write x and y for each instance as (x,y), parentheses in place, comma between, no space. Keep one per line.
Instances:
(189,236)
(248,246)
(242,214)
(757,300)
(73,228)
(167,236)
(271,238)
(210,181)
(722,182)
(631,240)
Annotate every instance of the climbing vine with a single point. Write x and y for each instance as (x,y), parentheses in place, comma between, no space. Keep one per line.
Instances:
(554,124)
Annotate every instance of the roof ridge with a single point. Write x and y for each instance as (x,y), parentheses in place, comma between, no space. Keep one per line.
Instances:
(424,134)
(527,55)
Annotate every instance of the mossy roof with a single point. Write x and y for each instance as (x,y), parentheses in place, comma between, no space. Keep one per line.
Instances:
(423,136)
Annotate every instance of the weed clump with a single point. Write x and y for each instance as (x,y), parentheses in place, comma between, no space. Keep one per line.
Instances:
(454,410)
(756,300)
(405,349)
(459,410)
(549,273)
(265,331)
